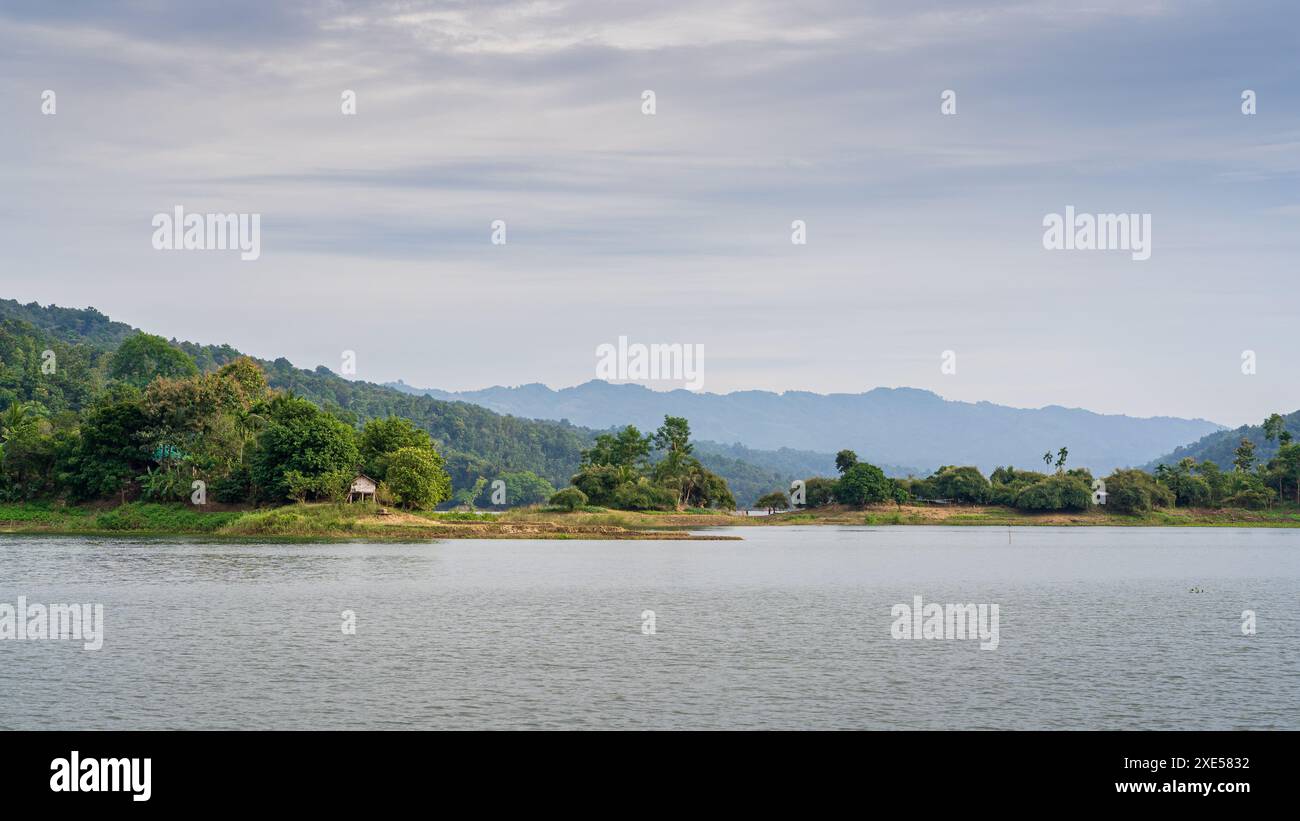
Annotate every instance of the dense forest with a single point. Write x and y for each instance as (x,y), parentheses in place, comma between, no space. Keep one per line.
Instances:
(94,408)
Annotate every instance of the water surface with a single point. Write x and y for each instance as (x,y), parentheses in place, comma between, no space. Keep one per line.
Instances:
(789,628)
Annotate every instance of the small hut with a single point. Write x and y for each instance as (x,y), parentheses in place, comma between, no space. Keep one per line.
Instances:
(362,486)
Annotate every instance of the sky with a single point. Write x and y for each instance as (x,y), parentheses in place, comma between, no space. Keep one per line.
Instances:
(924,230)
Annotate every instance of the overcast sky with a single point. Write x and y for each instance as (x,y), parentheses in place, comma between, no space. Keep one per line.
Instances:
(924,230)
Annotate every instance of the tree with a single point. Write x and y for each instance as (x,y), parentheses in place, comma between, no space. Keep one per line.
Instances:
(960,484)
(673,436)
(1058,492)
(844,460)
(819,491)
(775,500)
(468,496)
(416,478)
(108,454)
(143,357)
(1245,456)
(302,439)
(569,498)
(1047,458)
(1274,426)
(1061,456)
(523,487)
(246,373)
(382,437)
(863,484)
(626,448)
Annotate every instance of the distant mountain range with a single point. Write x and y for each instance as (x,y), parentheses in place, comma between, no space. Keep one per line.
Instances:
(886,426)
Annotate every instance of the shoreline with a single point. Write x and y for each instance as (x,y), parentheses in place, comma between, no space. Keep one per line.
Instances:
(340,523)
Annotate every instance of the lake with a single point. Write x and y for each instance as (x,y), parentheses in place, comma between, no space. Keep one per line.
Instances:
(1126,628)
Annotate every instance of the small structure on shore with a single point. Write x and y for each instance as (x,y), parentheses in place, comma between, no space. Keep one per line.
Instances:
(362,486)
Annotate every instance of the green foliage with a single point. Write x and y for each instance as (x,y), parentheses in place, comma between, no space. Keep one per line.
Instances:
(381,438)
(863,484)
(523,487)
(1057,492)
(305,445)
(143,357)
(616,472)
(138,516)
(569,498)
(416,478)
(819,491)
(1136,491)
(776,500)
(844,460)
(958,484)
(627,448)
(643,494)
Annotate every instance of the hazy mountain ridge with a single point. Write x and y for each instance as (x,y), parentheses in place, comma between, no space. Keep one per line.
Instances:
(1221,447)
(896,426)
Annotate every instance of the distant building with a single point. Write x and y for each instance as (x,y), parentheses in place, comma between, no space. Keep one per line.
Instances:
(362,486)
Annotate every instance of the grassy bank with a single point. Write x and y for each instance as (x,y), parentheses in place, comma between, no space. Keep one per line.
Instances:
(953,515)
(305,521)
(366,521)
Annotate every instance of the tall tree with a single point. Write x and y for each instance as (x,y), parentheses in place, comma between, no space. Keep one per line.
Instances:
(845,459)
(143,357)
(1244,456)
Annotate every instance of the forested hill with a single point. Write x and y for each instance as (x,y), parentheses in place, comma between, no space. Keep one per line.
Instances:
(1221,447)
(474,440)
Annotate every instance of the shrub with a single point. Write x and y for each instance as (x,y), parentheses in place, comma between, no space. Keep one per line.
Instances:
(569,498)
(1059,492)
(960,484)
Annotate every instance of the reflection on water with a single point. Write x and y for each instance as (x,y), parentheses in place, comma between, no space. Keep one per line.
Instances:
(790,628)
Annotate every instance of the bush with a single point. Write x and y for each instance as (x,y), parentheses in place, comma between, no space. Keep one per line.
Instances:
(234,487)
(643,495)
(1135,491)
(960,484)
(1060,492)
(1256,499)
(569,498)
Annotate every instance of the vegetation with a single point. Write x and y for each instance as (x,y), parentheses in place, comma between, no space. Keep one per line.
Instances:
(1138,493)
(618,471)
(135,417)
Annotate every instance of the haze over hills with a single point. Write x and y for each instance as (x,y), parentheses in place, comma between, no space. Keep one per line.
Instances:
(894,426)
